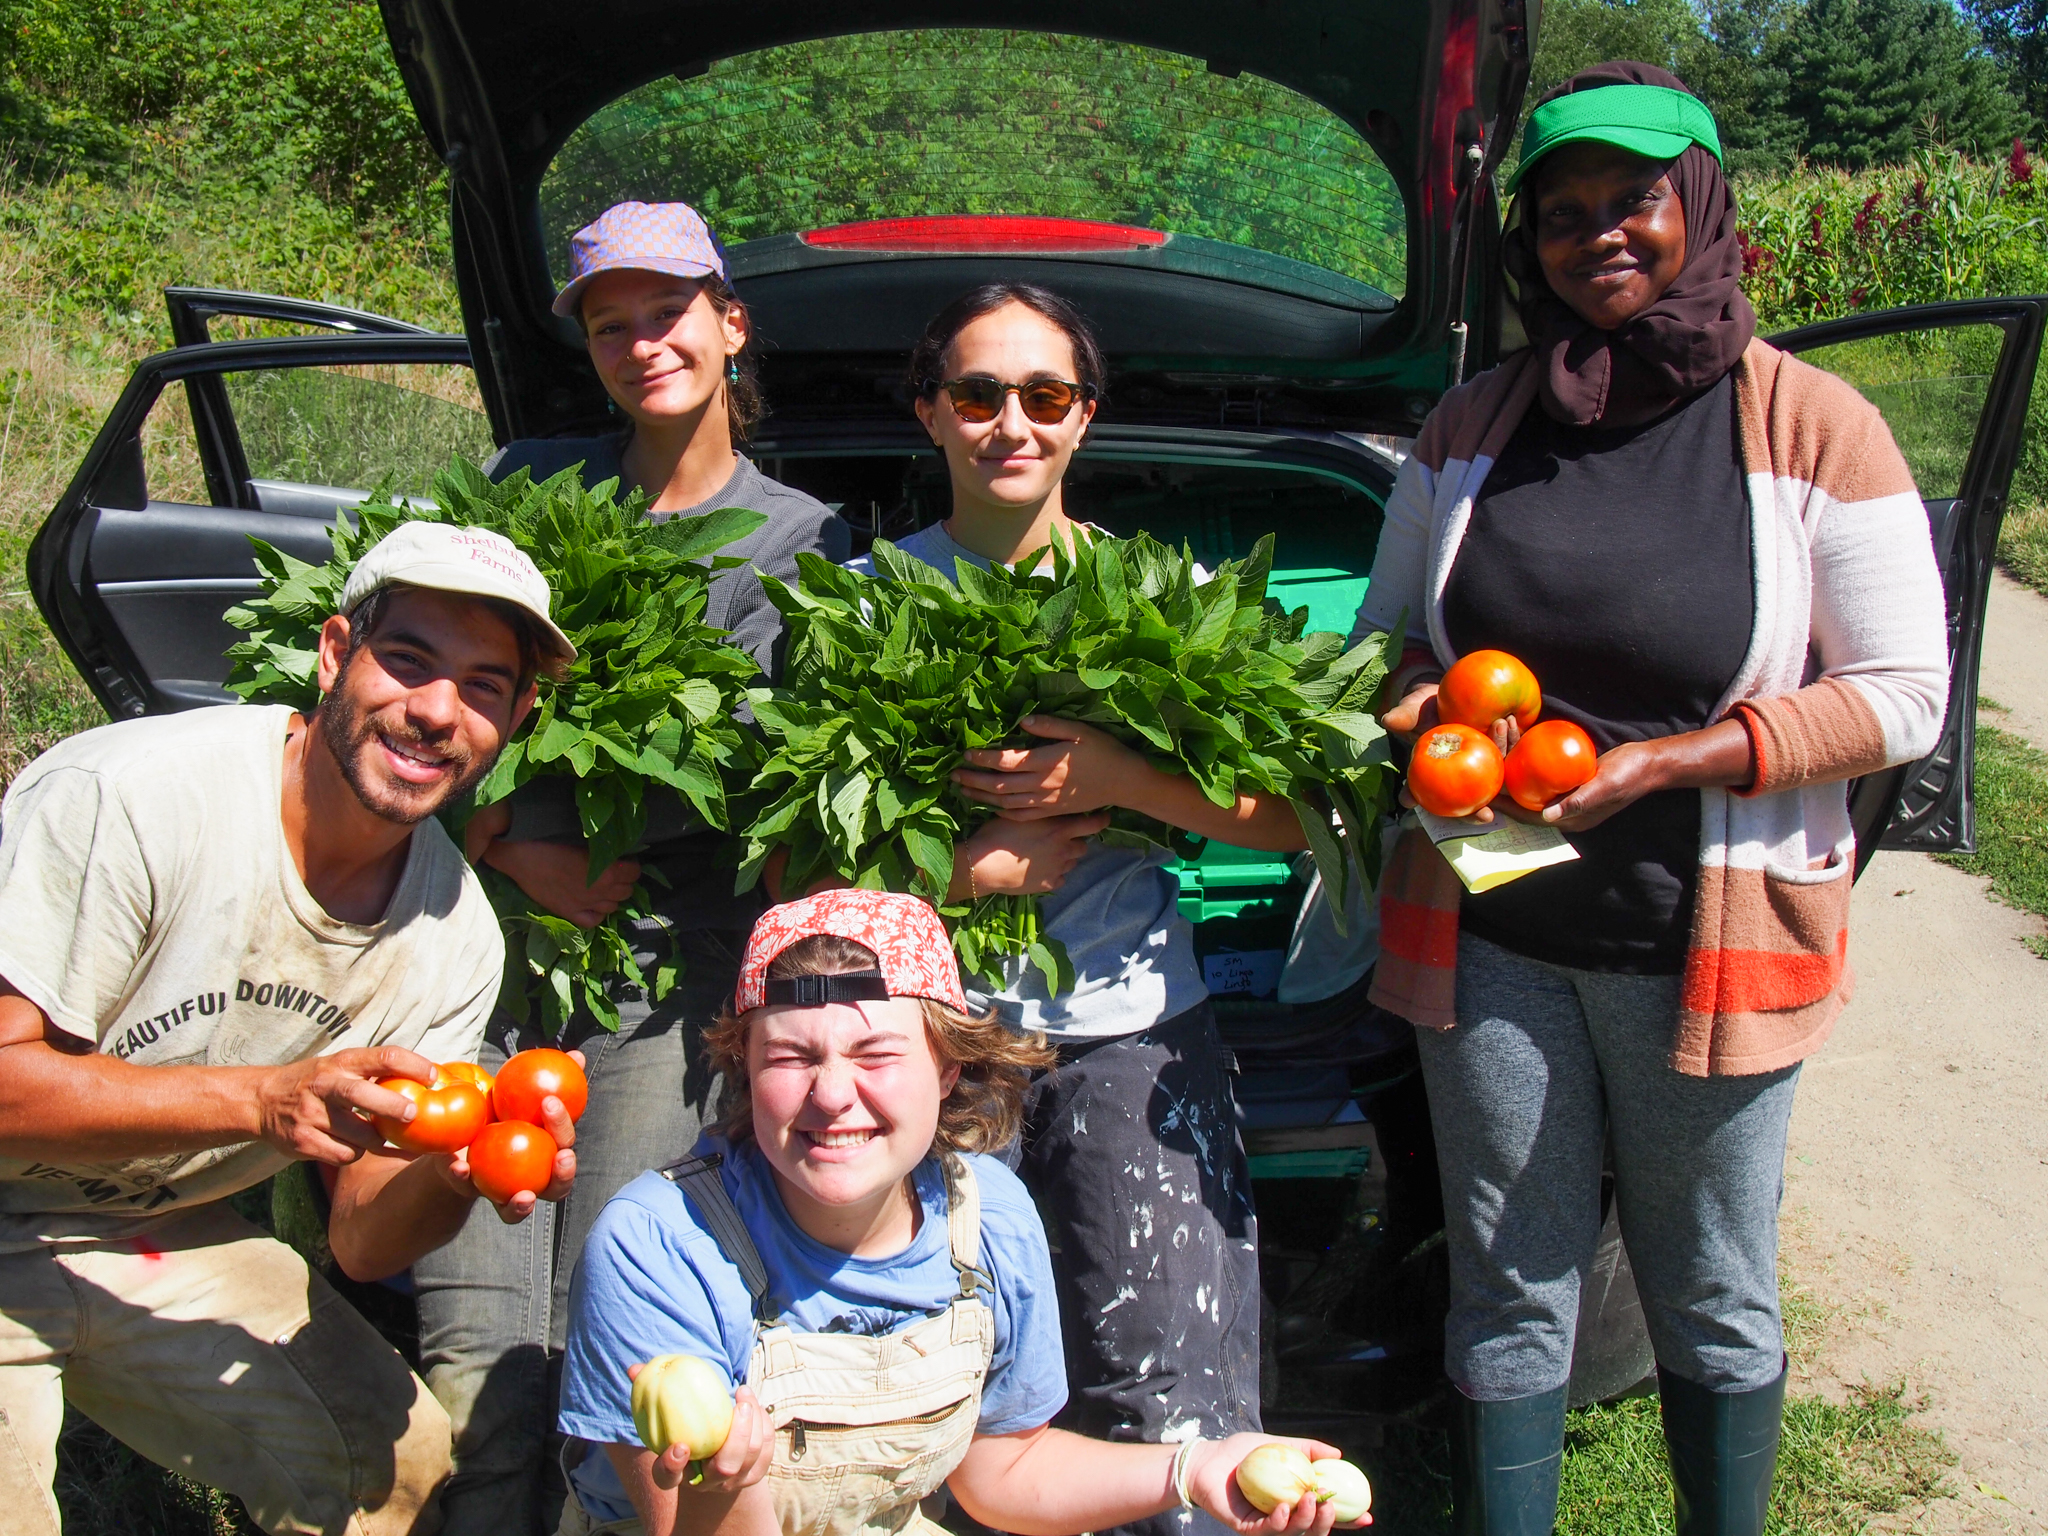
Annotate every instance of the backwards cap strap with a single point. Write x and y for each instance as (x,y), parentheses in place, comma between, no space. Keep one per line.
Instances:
(816,991)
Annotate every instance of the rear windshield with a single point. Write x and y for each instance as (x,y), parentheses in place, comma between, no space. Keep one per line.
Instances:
(935,122)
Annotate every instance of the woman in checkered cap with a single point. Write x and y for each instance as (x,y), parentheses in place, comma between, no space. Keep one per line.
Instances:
(876,1287)
(668,337)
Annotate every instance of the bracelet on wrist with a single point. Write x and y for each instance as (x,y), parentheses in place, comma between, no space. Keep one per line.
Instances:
(1183,1461)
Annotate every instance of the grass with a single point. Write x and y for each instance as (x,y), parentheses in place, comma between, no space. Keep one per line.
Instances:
(2023,545)
(1840,1465)
(2012,824)
(82,265)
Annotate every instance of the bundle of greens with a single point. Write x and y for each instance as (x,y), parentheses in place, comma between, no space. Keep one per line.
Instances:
(650,698)
(892,678)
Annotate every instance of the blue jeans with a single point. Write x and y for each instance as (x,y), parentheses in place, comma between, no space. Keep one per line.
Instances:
(494,1303)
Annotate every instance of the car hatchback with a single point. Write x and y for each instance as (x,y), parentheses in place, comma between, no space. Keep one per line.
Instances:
(1283,220)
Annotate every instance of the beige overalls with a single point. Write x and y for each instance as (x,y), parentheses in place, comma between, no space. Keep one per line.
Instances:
(864,1427)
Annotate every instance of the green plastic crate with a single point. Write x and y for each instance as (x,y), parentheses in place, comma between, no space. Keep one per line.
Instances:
(1336,1163)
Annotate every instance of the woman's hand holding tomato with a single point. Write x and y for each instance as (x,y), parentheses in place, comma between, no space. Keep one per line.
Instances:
(741,1462)
(1720,755)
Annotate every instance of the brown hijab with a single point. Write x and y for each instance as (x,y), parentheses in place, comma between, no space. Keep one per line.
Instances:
(1683,343)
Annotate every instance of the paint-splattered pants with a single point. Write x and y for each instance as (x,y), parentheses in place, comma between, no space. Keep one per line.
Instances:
(1131,1149)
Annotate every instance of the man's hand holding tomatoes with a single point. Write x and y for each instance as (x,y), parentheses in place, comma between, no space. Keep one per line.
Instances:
(555,1121)
(558,1125)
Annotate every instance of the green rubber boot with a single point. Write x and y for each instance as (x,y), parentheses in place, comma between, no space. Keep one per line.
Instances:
(1505,1459)
(1724,1452)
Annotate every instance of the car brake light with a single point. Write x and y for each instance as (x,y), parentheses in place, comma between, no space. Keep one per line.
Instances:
(977,232)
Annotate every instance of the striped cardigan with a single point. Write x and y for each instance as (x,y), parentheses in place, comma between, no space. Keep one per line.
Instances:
(1847,672)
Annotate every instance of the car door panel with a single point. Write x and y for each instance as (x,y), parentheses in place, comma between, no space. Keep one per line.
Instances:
(1953,382)
(134,587)
(162,576)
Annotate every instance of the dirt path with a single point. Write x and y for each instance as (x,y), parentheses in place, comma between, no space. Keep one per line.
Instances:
(1917,1186)
(2015,670)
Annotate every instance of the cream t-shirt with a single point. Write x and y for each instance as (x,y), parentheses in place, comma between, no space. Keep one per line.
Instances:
(149,906)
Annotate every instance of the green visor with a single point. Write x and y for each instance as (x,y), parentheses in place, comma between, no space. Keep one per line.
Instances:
(1653,121)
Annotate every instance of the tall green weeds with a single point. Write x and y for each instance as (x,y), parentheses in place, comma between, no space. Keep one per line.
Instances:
(1820,243)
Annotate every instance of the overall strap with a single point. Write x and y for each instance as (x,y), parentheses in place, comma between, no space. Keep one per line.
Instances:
(963,1227)
(698,1178)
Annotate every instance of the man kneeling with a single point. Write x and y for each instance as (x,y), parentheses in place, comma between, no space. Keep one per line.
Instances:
(218,930)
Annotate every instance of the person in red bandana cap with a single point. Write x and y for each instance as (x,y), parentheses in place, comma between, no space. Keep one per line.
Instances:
(844,1224)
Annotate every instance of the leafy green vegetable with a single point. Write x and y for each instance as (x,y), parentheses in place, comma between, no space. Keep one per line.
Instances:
(649,700)
(892,678)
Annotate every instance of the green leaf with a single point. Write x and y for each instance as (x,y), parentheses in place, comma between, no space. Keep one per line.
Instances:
(932,853)
(693,538)
(1329,857)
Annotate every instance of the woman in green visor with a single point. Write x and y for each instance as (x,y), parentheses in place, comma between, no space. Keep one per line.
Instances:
(1714,560)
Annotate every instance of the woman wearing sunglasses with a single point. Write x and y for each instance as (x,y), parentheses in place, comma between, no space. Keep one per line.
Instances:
(671,343)
(1130,1142)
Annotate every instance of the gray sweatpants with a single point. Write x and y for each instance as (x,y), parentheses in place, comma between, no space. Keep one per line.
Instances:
(1544,1064)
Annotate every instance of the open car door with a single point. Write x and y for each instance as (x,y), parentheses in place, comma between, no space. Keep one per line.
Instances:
(218,441)
(1953,382)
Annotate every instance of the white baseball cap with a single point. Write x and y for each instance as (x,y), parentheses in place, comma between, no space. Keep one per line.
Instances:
(447,558)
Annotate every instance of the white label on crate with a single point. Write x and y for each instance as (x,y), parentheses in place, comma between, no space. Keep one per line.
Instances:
(1251,972)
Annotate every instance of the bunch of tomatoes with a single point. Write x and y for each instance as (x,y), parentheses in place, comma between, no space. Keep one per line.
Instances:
(1456,768)
(497,1118)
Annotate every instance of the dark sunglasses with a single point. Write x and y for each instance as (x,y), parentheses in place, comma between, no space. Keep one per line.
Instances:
(1045,401)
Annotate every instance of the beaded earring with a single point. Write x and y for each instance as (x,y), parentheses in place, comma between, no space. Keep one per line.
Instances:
(732,370)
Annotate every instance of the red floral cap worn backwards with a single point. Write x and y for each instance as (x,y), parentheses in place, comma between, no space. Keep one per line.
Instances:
(909,941)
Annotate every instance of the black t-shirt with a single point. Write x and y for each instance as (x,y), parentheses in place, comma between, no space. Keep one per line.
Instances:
(1616,564)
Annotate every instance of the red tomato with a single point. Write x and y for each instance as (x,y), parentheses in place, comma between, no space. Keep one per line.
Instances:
(532,1076)
(469,1072)
(510,1155)
(1486,686)
(1549,762)
(452,1110)
(1455,770)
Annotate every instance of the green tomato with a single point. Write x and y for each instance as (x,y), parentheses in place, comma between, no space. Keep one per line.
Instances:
(681,1400)
(1274,1475)
(1340,1484)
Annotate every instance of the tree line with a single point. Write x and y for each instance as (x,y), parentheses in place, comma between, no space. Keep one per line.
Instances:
(1852,83)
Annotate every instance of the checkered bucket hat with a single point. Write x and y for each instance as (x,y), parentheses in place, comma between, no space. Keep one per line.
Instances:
(640,237)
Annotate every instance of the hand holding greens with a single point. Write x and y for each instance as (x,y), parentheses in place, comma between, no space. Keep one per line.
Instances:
(650,698)
(892,678)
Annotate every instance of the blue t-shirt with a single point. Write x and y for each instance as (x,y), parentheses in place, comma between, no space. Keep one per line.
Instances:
(653,1281)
